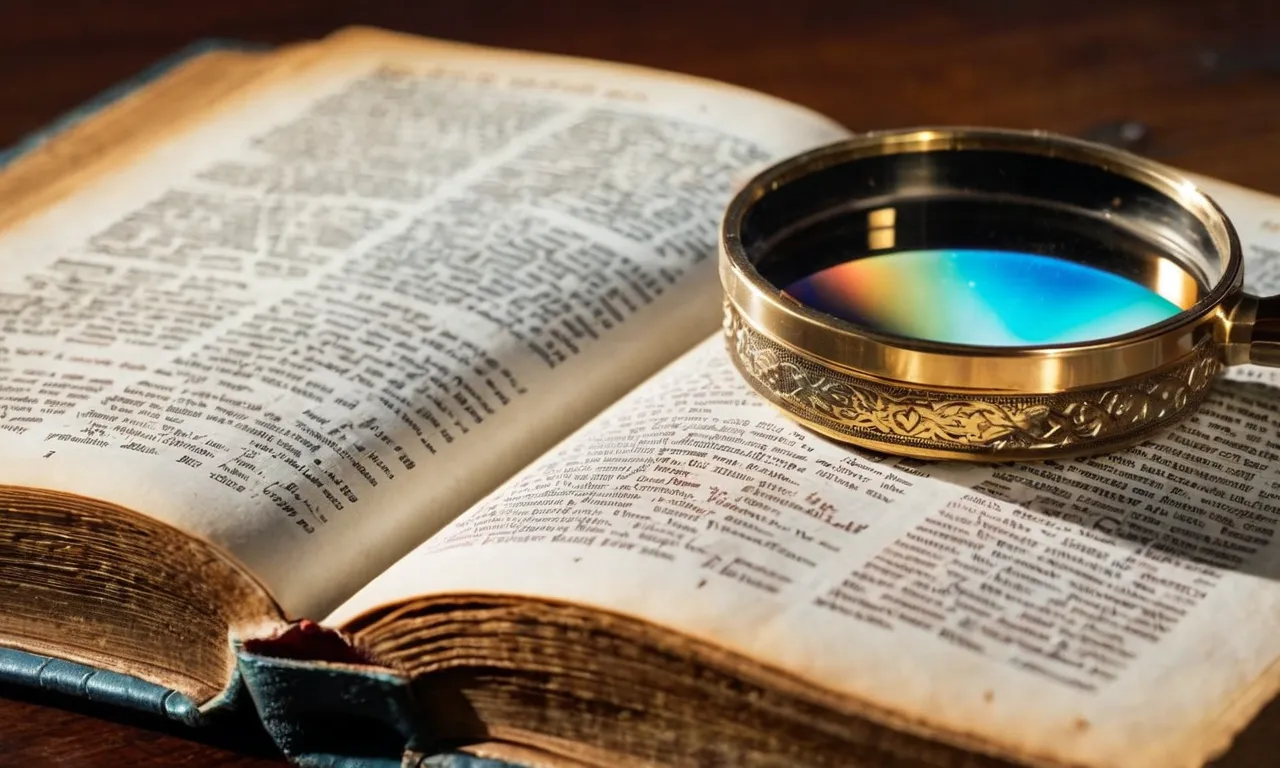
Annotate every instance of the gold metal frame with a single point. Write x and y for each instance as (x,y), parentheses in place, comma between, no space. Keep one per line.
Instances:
(934,400)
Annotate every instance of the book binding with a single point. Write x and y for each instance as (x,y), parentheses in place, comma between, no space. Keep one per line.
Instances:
(96,685)
(330,715)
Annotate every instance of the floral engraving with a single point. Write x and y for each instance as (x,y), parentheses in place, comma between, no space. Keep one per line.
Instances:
(874,411)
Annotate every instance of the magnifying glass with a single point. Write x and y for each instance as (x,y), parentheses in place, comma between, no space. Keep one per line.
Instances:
(985,294)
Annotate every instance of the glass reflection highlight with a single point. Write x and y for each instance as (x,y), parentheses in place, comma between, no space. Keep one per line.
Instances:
(982,297)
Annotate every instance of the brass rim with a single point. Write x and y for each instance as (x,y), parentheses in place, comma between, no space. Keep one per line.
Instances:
(931,423)
(1014,371)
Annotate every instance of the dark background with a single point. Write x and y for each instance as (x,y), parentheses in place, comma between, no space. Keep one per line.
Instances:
(1203,76)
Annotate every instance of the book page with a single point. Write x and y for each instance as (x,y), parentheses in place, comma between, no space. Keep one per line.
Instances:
(322,321)
(1117,611)
(67,160)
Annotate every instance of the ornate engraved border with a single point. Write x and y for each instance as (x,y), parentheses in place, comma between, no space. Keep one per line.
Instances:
(941,423)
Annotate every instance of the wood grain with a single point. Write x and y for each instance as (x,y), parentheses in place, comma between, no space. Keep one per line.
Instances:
(38,729)
(1203,77)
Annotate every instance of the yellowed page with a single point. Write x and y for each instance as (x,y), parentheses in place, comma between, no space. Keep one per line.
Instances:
(1121,611)
(324,320)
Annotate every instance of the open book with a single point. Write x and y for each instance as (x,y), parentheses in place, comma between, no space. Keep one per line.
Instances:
(378,384)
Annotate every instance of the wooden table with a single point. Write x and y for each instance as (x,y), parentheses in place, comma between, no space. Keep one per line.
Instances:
(1202,76)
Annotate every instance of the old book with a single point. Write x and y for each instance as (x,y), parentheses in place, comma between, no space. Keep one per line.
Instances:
(377,385)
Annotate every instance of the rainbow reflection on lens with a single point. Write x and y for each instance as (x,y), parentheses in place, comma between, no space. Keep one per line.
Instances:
(982,297)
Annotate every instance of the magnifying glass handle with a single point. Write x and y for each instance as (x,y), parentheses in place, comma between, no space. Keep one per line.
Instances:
(1253,332)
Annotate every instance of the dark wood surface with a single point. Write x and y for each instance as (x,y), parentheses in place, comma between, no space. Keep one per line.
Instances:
(1202,76)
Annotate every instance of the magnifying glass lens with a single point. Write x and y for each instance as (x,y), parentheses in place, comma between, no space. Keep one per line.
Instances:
(986,297)
(979,268)
(981,294)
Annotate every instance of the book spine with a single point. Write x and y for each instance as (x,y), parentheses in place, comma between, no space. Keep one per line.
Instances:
(97,685)
(331,715)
